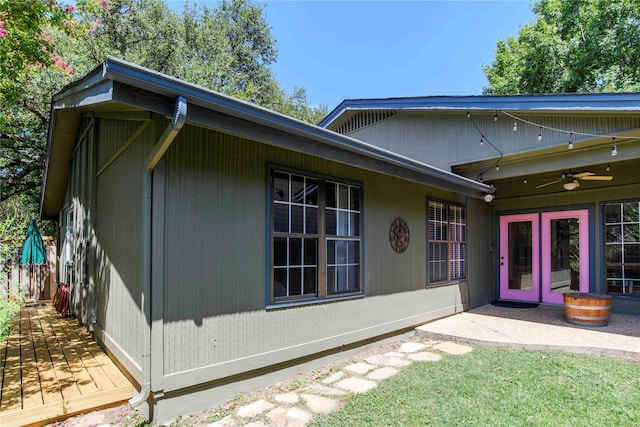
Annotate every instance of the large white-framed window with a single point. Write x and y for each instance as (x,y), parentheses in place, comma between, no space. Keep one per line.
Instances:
(622,247)
(316,242)
(447,246)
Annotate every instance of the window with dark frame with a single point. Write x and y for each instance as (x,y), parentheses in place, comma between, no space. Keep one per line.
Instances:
(316,239)
(622,247)
(446,232)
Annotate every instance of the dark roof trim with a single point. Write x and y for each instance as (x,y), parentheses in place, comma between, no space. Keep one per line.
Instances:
(547,102)
(97,87)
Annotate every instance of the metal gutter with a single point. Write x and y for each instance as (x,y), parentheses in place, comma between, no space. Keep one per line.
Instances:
(587,102)
(161,147)
(143,78)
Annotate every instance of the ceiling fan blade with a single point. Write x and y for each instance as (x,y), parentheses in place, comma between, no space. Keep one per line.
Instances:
(597,178)
(549,183)
(583,174)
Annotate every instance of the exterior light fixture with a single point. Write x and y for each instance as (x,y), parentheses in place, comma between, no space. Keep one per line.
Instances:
(489,197)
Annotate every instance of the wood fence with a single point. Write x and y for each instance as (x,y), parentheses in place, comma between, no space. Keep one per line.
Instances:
(23,280)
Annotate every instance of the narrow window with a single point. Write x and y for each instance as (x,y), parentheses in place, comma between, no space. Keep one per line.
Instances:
(622,247)
(446,229)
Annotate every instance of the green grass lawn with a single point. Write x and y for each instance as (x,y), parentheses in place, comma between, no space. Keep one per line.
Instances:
(501,387)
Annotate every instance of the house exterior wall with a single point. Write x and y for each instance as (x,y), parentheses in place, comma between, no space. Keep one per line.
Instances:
(74,226)
(213,250)
(117,271)
(444,139)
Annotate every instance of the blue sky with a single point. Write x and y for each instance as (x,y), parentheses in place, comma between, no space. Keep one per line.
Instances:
(371,49)
(379,48)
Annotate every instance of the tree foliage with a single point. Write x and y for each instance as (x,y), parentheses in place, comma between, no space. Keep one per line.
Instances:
(45,45)
(228,48)
(572,46)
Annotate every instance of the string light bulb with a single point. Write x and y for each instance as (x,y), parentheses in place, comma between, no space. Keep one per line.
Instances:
(540,134)
(614,150)
(497,166)
(515,126)
(480,179)
(468,115)
(495,118)
(481,141)
(571,141)
(608,168)
(524,180)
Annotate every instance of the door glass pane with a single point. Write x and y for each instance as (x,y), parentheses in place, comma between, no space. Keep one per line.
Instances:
(565,255)
(520,255)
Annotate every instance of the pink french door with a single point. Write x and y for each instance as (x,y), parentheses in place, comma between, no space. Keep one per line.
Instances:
(520,257)
(544,255)
(565,254)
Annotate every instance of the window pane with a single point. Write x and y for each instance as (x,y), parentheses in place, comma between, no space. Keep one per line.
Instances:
(613,213)
(342,279)
(280,251)
(311,221)
(632,272)
(311,192)
(310,278)
(331,251)
(279,282)
(613,234)
(297,189)
(295,281)
(343,196)
(630,212)
(614,272)
(631,233)
(341,246)
(343,223)
(295,251)
(354,278)
(330,222)
(614,253)
(281,186)
(632,254)
(297,219)
(330,192)
(355,199)
(310,251)
(281,217)
(354,224)
(353,248)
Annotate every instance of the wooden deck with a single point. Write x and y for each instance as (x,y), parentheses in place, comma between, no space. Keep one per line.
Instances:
(51,369)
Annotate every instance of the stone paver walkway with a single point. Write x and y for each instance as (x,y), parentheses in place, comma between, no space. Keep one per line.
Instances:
(296,403)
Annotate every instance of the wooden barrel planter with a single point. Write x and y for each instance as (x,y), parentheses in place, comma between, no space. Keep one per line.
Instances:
(586,309)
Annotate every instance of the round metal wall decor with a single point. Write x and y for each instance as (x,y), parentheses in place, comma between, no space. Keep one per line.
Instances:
(399,235)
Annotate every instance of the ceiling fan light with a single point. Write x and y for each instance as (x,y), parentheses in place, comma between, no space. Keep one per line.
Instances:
(571,185)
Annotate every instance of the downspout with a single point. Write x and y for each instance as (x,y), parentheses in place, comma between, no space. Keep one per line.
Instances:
(163,144)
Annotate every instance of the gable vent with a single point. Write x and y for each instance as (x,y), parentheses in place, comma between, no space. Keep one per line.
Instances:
(363,119)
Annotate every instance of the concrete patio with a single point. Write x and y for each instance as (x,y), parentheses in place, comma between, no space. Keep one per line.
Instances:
(543,327)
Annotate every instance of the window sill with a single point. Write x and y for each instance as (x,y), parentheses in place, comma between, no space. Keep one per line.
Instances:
(443,284)
(301,303)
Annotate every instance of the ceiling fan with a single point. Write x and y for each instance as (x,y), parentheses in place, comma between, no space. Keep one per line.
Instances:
(570,179)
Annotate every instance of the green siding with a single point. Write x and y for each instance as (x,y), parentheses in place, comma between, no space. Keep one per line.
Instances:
(214,227)
(118,239)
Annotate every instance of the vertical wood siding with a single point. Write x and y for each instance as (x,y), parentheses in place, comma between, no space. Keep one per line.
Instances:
(444,139)
(215,272)
(118,227)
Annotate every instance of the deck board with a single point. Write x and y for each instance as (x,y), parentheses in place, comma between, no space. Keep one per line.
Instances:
(51,368)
